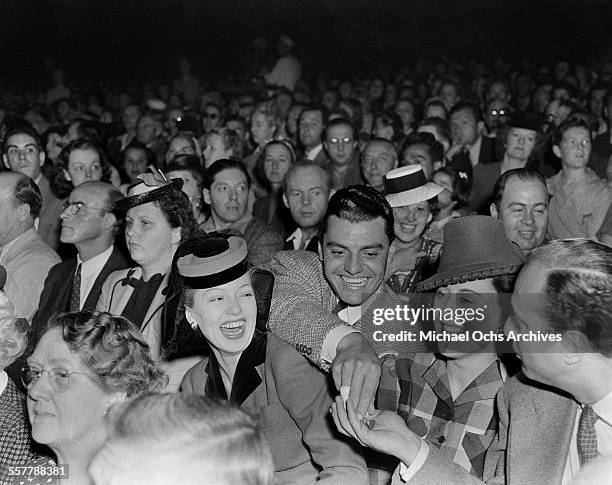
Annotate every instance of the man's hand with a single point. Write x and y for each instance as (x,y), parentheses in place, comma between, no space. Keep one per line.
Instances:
(357,366)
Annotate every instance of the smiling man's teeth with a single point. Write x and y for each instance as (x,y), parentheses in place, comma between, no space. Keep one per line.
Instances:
(232,324)
(408,227)
(354,281)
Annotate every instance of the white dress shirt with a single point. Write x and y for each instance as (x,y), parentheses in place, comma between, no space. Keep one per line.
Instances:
(90,270)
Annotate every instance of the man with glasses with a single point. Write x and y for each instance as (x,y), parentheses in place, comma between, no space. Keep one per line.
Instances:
(89,221)
(340,143)
(26,257)
(22,152)
(211,117)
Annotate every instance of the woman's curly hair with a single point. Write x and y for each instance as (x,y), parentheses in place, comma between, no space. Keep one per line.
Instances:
(113,349)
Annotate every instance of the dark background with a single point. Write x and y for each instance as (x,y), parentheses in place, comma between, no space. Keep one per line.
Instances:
(143,39)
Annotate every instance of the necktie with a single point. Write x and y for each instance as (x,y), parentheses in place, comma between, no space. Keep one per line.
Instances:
(75,295)
(587,439)
(339,307)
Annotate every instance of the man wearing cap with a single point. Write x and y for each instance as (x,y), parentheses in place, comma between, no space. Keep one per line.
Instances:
(254,369)
(158,216)
(287,71)
(26,257)
(325,306)
(523,131)
(89,221)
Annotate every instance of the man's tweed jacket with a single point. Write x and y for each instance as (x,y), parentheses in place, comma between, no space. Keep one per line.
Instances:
(303,303)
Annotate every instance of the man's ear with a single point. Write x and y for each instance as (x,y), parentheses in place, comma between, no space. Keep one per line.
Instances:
(189,317)
(23,212)
(109,220)
(557,151)
(5,160)
(285,201)
(206,195)
(320,249)
(42,157)
(67,175)
(493,210)
(331,192)
(481,127)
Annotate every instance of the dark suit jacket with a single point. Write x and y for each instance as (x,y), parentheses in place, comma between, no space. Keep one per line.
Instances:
(535,429)
(461,161)
(313,245)
(302,311)
(55,296)
(483,180)
(49,217)
(291,400)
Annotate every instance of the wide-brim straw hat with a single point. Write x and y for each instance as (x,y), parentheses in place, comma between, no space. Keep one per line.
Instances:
(408,185)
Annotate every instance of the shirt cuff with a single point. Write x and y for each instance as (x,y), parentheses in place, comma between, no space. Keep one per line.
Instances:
(407,472)
(332,339)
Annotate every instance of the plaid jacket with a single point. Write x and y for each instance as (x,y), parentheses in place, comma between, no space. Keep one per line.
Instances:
(15,443)
(417,388)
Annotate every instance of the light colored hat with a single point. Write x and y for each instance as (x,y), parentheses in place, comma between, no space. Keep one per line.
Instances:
(408,185)
(213,261)
(156,105)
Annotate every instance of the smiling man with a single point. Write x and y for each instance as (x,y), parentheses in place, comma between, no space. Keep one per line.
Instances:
(520,201)
(89,221)
(324,304)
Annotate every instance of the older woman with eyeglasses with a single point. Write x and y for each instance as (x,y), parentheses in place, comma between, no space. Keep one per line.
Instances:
(15,441)
(83,363)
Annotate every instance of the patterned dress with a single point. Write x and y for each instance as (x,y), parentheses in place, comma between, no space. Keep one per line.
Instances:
(402,282)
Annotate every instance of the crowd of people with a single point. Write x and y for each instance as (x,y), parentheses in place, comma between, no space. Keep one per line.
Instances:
(196,273)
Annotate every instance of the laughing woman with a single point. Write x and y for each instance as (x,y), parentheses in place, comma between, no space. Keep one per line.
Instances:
(416,257)
(257,371)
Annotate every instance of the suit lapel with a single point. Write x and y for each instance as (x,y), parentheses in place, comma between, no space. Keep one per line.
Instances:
(115,262)
(541,437)
(159,299)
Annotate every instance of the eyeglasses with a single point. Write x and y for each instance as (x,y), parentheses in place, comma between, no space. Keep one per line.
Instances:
(79,208)
(499,112)
(340,141)
(59,378)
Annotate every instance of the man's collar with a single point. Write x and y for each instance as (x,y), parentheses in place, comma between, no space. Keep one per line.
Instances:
(313,152)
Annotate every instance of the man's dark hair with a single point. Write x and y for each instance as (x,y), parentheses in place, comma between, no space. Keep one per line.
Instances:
(359,203)
(338,122)
(578,289)
(316,107)
(27,192)
(22,130)
(568,124)
(465,105)
(523,174)
(305,164)
(219,166)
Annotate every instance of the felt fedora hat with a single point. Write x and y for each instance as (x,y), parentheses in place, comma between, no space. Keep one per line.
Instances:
(408,185)
(475,247)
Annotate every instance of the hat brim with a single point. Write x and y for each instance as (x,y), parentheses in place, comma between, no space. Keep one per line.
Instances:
(414,196)
(469,272)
